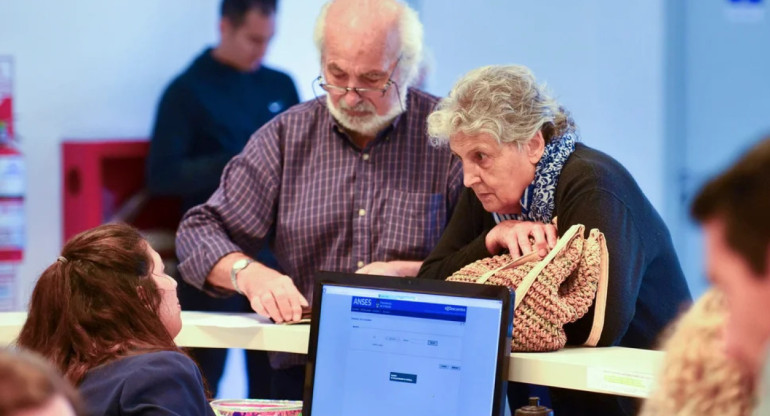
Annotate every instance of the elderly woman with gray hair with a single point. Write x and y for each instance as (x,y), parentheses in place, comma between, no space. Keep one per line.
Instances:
(523,167)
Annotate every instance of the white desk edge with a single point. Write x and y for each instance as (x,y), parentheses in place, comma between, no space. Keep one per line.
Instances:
(615,370)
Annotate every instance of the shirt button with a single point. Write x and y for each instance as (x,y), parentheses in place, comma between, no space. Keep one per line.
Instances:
(360,264)
(361,212)
(365,156)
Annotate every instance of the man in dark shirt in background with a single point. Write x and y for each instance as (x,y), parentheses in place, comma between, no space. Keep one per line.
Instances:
(205,117)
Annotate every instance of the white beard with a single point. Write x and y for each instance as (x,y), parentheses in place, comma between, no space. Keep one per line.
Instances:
(369,124)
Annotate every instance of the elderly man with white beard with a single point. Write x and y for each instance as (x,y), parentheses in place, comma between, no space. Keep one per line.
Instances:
(347,182)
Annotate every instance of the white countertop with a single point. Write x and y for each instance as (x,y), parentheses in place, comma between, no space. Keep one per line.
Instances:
(617,370)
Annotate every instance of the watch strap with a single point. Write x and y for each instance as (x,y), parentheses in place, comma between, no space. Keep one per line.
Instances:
(237,267)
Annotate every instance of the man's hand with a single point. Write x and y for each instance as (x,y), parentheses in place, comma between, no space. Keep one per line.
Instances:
(396,268)
(515,237)
(272,294)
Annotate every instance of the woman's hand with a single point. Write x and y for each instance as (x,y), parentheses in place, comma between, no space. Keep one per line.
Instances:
(515,237)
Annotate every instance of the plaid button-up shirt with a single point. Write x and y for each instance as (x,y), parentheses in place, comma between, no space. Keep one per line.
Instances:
(322,203)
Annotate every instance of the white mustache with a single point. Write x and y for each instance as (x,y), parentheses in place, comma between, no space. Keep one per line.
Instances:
(360,107)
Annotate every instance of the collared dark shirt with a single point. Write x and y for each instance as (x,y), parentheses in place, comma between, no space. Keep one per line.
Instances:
(321,202)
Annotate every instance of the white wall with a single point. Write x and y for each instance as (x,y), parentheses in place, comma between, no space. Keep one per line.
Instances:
(92,69)
(726,97)
(602,59)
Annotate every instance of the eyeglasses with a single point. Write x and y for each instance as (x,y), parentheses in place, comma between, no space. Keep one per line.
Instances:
(363,92)
(337,91)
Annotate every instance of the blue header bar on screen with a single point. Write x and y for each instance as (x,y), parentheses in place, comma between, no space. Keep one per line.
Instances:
(393,307)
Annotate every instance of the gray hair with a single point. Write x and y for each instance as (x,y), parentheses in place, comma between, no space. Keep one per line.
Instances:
(411,34)
(503,101)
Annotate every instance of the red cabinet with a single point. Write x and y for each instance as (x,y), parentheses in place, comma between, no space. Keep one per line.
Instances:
(103,181)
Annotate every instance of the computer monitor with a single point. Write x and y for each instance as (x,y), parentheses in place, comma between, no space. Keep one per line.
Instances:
(402,346)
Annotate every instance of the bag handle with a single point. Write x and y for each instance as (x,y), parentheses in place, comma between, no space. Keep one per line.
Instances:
(526,283)
(513,263)
(601,292)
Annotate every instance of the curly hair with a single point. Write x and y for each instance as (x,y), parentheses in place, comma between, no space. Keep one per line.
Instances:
(697,378)
(97,303)
(503,101)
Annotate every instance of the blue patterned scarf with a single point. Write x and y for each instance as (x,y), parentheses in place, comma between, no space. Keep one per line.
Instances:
(537,203)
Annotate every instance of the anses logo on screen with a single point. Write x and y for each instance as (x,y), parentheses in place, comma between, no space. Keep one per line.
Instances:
(362,301)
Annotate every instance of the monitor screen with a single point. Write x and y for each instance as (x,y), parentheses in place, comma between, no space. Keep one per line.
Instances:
(381,351)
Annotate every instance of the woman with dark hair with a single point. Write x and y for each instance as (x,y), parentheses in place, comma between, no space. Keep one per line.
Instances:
(106,314)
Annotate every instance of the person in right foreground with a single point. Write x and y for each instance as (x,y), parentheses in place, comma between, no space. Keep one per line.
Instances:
(523,167)
(734,210)
(696,376)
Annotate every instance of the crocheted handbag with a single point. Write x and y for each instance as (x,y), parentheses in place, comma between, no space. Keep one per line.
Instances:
(551,292)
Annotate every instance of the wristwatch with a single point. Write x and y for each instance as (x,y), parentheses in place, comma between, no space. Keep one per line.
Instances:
(238,266)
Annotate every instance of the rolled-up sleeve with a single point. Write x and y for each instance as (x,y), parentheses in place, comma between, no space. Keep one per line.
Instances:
(238,215)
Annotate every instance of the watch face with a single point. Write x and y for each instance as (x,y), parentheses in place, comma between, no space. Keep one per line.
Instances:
(240,264)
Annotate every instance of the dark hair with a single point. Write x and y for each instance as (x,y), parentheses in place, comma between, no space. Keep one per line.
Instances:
(235,10)
(741,198)
(27,382)
(96,303)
